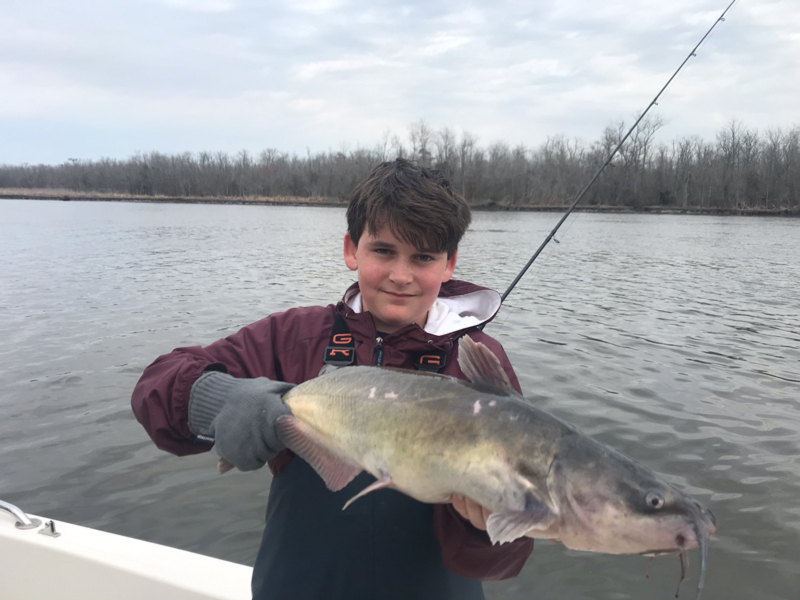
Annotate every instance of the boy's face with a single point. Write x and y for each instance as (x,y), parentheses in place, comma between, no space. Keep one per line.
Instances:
(399,283)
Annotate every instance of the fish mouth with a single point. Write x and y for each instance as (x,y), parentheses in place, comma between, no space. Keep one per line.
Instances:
(694,535)
(697,530)
(687,538)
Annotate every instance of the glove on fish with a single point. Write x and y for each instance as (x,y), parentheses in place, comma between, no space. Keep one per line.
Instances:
(239,416)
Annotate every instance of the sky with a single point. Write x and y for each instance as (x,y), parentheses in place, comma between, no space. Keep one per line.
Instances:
(91,79)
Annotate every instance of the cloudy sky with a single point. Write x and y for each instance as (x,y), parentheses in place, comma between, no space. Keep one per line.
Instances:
(89,79)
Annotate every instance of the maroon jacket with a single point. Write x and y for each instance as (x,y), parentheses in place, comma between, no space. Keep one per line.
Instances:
(289,347)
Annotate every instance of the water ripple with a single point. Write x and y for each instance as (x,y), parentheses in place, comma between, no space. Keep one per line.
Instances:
(673,339)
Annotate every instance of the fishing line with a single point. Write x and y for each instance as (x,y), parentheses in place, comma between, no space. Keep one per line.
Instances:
(524,291)
(613,153)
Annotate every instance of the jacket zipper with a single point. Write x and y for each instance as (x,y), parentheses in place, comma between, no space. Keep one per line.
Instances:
(378,351)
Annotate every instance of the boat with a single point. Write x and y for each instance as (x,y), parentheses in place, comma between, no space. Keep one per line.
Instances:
(41,558)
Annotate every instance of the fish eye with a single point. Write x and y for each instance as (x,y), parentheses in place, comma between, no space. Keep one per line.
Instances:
(654,499)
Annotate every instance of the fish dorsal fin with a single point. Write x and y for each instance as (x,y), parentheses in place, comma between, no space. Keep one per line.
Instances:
(482,367)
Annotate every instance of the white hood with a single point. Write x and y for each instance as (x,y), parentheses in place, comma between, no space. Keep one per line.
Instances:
(450,314)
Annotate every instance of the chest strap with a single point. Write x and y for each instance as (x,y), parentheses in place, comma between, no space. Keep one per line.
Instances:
(341,350)
(432,360)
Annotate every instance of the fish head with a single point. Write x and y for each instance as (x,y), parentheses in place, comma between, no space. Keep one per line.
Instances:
(610,503)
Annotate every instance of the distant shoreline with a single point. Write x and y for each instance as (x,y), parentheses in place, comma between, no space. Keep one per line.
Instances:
(69,195)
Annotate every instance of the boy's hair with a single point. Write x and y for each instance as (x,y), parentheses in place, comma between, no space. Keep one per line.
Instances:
(416,203)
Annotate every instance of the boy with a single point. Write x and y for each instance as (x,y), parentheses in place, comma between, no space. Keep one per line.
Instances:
(404,226)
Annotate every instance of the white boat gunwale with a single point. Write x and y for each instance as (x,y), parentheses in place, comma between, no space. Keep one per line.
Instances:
(44,558)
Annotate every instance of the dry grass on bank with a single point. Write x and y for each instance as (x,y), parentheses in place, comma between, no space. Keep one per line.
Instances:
(63,194)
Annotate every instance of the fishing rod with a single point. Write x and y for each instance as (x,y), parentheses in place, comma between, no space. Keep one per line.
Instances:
(582,193)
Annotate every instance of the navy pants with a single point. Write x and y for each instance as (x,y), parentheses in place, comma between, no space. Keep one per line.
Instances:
(381,548)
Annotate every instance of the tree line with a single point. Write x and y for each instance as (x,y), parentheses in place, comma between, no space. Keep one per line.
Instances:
(740,169)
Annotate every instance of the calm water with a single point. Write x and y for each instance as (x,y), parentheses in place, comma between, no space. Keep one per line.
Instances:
(675,339)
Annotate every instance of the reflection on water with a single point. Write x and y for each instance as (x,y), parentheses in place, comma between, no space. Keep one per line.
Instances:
(675,339)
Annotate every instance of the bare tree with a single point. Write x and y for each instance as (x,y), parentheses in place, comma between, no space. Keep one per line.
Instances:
(445,157)
(421,134)
(740,169)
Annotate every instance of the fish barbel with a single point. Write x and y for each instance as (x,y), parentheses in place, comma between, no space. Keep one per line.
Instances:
(432,436)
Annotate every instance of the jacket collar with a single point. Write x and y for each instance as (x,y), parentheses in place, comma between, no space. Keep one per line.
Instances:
(461,305)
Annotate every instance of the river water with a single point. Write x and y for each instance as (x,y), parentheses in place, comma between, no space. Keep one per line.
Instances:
(675,339)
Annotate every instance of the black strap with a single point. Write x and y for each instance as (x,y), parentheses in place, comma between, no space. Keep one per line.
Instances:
(432,360)
(341,350)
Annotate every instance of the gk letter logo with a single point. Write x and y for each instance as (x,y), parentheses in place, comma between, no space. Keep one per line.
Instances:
(334,351)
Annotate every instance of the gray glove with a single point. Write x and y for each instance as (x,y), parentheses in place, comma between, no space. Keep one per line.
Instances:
(239,416)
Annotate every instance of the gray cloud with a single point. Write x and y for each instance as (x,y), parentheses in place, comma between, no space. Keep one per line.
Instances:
(87,79)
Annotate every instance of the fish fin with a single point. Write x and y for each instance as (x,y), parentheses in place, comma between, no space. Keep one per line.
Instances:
(223,466)
(335,469)
(383,482)
(482,367)
(509,525)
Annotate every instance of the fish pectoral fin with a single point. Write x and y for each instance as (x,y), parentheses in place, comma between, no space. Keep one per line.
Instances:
(335,469)
(383,482)
(509,525)
(483,368)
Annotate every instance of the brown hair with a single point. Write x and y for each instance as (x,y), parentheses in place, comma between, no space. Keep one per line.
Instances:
(416,203)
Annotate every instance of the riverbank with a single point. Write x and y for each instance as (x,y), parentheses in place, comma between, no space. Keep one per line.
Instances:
(69,195)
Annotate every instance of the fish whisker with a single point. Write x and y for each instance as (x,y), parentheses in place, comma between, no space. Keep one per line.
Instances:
(684,558)
(702,542)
